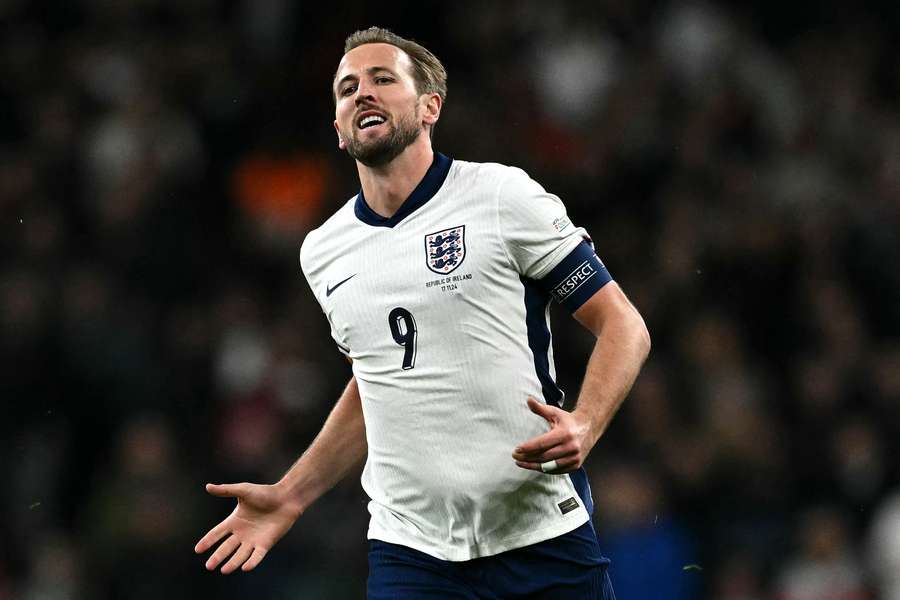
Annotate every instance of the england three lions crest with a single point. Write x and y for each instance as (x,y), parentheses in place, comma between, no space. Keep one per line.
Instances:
(445,250)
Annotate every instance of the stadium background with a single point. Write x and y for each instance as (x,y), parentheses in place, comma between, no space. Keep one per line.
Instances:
(738,168)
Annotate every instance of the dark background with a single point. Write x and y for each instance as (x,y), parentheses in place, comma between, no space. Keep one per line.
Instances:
(737,167)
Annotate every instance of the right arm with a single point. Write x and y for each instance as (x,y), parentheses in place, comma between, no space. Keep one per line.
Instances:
(265,513)
(340,446)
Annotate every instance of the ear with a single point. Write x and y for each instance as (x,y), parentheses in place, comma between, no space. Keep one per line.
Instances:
(341,143)
(431,109)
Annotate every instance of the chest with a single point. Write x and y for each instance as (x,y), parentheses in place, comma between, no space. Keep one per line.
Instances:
(426,275)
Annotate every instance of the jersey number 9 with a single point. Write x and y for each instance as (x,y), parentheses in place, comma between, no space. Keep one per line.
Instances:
(403,328)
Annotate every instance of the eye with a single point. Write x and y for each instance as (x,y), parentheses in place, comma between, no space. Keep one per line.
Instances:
(346,91)
(384,79)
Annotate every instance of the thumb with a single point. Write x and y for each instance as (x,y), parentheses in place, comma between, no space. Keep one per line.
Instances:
(227,490)
(543,410)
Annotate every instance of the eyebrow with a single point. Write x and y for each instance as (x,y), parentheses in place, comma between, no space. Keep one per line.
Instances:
(370,71)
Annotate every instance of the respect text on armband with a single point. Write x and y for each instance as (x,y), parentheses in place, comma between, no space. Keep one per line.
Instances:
(573,281)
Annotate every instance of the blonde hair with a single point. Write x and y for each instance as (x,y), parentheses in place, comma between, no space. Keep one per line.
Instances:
(428,72)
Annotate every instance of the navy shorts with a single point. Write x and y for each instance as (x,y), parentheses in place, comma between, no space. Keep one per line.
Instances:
(569,567)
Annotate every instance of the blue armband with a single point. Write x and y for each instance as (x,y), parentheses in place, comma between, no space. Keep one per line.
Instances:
(576,278)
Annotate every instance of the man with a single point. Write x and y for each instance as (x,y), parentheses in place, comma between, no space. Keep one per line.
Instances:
(436,280)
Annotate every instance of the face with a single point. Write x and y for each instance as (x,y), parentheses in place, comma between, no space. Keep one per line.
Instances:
(378,111)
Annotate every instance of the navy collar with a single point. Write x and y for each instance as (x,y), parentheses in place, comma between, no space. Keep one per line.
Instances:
(427,188)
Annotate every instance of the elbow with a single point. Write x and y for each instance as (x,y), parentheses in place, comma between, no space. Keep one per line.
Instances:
(642,336)
(646,344)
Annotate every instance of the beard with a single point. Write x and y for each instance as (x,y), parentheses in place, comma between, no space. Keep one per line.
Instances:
(383,150)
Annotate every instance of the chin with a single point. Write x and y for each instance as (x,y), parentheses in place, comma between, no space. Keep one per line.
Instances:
(377,153)
(381,149)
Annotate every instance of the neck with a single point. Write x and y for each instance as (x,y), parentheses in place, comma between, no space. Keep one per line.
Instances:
(387,187)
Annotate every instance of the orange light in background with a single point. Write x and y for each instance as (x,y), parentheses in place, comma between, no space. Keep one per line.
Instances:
(282,193)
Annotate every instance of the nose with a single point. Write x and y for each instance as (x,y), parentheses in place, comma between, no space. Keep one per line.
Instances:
(363,93)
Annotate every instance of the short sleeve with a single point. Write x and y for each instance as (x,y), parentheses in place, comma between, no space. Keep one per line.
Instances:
(536,231)
(310,274)
(344,349)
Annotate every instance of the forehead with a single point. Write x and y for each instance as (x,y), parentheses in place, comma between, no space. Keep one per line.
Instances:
(368,56)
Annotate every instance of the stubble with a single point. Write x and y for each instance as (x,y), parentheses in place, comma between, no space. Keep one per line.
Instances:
(379,152)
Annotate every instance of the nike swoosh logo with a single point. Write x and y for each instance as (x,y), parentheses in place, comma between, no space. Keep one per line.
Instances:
(329,290)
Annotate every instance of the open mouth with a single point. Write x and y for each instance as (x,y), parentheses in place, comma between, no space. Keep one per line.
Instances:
(370,121)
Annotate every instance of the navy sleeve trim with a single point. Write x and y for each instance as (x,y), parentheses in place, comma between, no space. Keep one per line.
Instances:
(576,278)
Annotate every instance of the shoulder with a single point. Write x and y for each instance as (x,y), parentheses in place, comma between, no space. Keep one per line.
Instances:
(485,172)
(495,180)
(316,243)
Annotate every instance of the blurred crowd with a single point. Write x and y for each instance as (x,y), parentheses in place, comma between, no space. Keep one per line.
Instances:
(738,168)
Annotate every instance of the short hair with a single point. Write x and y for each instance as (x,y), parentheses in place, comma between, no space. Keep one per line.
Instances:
(428,72)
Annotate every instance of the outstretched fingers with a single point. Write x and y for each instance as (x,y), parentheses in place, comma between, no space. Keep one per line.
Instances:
(209,540)
(237,559)
(255,559)
(224,550)
(227,490)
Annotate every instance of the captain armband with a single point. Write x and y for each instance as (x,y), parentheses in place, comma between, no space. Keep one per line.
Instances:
(576,278)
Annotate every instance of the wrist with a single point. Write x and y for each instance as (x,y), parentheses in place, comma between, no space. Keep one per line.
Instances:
(591,426)
(290,499)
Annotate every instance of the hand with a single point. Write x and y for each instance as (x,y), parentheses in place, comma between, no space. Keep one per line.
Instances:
(568,442)
(261,518)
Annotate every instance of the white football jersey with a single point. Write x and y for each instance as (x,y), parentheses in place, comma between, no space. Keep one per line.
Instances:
(442,311)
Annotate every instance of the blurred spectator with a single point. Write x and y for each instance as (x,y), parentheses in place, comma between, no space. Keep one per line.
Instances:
(859,462)
(138,512)
(884,548)
(738,577)
(652,553)
(57,572)
(824,566)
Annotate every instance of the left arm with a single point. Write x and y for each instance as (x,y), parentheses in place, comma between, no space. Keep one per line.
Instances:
(623,344)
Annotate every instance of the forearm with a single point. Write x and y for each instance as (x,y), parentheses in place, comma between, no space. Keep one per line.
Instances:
(339,446)
(623,344)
